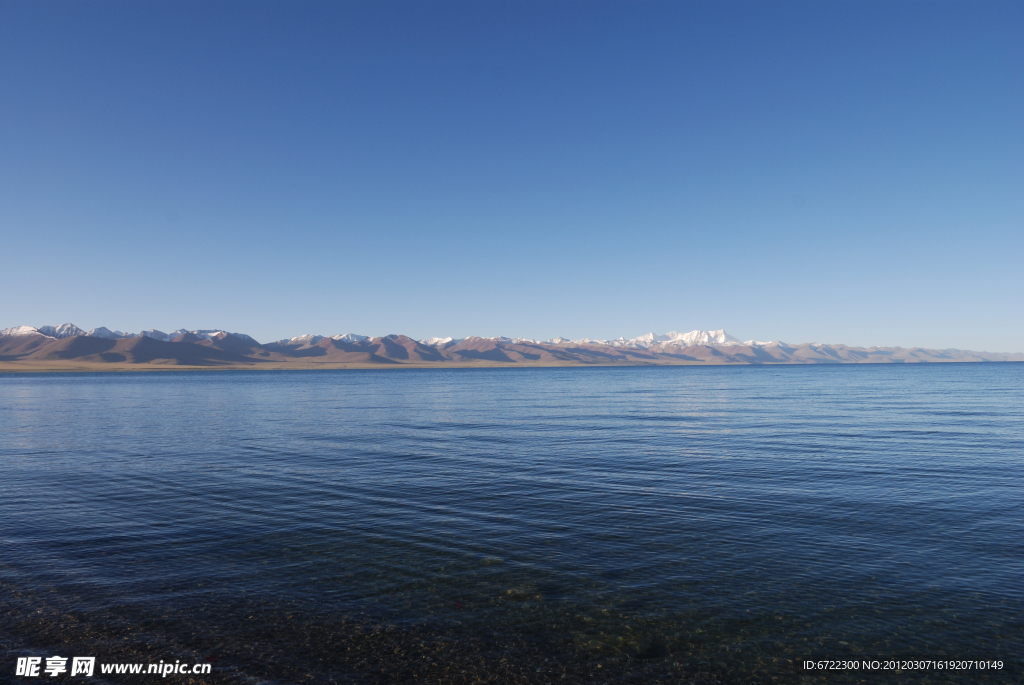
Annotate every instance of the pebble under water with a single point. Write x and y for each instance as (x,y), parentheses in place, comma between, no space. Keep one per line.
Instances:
(574,525)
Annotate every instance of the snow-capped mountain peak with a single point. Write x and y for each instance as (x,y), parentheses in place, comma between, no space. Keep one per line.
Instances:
(307,339)
(719,337)
(16,331)
(349,337)
(697,337)
(102,332)
(66,330)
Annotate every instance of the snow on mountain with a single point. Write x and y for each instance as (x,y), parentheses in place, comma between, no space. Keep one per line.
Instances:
(65,330)
(102,332)
(307,339)
(19,330)
(310,339)
(439,342)
(698,337)
(672,338)
(201,334)
(645,340)
(350,337)
(719,337)
(69,330)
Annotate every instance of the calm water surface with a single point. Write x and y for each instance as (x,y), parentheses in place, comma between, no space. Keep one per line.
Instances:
(516,525)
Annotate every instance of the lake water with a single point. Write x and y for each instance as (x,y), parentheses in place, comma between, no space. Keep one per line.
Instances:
(667,524)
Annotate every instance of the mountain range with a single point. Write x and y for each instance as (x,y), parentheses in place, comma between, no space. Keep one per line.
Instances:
(68,347)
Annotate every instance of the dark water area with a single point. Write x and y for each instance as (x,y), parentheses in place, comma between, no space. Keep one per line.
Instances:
(633,525)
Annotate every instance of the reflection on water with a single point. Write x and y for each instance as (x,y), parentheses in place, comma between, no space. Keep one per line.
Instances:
(520,525)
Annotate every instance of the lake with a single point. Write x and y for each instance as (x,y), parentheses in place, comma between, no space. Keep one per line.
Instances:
(665,524)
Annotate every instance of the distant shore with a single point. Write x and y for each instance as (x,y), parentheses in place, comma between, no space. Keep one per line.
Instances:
(65,367)
(101,367)
(68,348)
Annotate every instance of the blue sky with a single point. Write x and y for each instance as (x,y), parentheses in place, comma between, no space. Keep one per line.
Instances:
(814,171)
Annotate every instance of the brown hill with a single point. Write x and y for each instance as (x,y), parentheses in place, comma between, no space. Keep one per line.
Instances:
(87,350)
(242,345)
(18,347)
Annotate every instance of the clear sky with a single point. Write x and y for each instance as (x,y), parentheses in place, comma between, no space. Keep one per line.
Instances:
(813,171)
